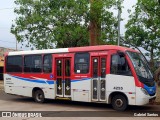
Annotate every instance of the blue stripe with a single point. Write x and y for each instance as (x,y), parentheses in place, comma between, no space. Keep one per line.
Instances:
(46,82)
(50,82)
(34,80)
(80,80)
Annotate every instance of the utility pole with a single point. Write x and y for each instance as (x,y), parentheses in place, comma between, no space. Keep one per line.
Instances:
(16,44)
(119,21)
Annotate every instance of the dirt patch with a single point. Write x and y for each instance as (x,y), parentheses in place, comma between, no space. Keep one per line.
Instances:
(1,85)
(158,95)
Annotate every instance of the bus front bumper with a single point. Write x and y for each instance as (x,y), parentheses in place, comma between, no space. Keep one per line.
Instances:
(143,99)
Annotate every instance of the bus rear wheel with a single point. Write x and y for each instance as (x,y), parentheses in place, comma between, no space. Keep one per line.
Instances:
(39,96)
(119,102)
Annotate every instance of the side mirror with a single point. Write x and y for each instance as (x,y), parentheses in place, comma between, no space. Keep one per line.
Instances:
(120,53)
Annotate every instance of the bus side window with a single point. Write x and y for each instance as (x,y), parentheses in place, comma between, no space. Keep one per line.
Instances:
(119,65)
(81,63)
(47,64)
(14,64)
(33,63)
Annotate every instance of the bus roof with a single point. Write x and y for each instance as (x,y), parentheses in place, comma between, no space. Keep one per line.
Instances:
(74,49)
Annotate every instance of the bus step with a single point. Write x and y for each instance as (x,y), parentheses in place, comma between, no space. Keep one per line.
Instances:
(99,101)
(62,98)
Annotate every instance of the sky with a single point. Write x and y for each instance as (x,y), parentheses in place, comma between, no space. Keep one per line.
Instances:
(7,17)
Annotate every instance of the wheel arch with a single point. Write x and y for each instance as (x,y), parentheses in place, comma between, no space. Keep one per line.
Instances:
(116,93)
(35,89)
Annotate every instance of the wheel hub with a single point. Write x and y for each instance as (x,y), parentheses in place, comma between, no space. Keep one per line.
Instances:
(119,103)
(39,97)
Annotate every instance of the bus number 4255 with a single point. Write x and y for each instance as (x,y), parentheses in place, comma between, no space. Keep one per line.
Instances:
(118,88)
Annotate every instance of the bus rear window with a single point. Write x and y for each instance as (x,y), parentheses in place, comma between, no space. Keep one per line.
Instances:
(14,64)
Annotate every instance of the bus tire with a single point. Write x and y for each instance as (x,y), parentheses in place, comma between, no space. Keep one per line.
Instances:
(119,102)
(39,96)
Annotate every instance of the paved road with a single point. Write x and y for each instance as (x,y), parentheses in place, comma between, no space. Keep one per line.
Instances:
(64,108)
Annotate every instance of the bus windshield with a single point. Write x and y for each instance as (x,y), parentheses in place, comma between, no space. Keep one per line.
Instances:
(141,67)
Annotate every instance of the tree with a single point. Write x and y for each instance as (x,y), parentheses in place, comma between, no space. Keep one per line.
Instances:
(143,28)
(157,76)
(63,23)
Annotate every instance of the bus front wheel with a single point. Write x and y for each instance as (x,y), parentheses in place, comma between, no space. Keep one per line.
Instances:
(119,102)
(39,96)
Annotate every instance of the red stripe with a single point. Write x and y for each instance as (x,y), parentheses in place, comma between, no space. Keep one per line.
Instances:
(100,47)
(137,82)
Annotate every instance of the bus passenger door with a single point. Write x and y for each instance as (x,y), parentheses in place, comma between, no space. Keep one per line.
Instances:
(63,77)
(98,78)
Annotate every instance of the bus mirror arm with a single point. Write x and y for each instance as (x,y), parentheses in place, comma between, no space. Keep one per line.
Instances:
(136,48)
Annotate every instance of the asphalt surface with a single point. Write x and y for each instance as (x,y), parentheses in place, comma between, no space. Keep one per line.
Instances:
(60,108)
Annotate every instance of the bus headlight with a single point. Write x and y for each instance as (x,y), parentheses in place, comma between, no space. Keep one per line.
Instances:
(144,91)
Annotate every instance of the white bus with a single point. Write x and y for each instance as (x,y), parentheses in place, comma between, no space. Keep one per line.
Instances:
(105,74)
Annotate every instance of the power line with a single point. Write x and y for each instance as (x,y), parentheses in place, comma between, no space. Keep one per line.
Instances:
(8,47)
(7,8)
(4,27)
(13,48)
(7,41)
